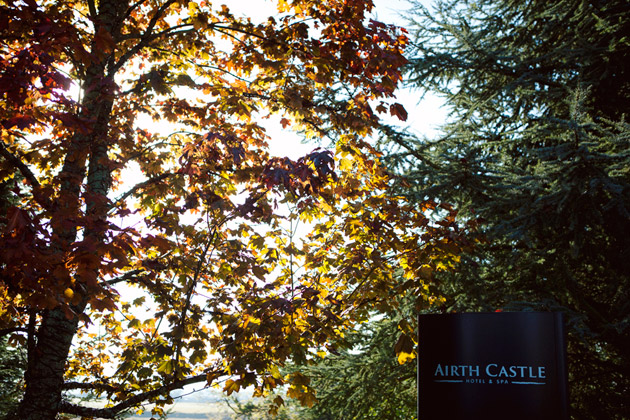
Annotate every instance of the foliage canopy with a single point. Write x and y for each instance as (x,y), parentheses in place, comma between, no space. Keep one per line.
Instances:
(92,93)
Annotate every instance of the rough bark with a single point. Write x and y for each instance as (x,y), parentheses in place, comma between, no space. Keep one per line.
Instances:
(86,157)
(44,378)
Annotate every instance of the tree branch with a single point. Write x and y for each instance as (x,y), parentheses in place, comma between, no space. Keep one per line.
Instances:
(27,174)
(146,38)
(133,7)
(397,138)
(139,187)
(7,331)
(92,8)
(112,412)
(127,276)
(89,386)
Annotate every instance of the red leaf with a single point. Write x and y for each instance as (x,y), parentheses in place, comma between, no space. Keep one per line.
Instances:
(18,219)
(21,121)
(104,41)
(397,110)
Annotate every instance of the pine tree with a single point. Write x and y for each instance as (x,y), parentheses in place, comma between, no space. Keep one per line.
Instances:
(538,150)
(12,365)
(12,358)
(365,381)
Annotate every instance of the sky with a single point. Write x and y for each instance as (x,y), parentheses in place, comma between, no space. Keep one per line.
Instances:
(424,117)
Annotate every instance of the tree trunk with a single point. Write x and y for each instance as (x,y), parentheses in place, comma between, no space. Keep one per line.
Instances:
(44,377)
(86,157)
(47,361)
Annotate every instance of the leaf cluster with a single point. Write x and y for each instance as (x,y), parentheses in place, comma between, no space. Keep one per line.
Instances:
(147,246)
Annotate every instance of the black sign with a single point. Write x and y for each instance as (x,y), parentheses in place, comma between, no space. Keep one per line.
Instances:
(506,365)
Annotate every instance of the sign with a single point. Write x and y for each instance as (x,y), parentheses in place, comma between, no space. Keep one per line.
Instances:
(506,365)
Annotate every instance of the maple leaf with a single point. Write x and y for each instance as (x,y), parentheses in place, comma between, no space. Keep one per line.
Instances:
(176,93)
(20,121)
(398,111)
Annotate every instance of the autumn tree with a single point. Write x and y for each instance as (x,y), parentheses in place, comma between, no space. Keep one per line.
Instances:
(146,248)
(364,378)
(537,147)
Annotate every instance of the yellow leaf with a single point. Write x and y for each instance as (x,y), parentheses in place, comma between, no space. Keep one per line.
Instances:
(275,372)
(345,164)
(404,349)
(231,386)
(166,367)
(405,357)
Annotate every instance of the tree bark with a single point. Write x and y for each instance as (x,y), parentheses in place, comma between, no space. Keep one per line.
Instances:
(86,157)
(47,362)
(44,378)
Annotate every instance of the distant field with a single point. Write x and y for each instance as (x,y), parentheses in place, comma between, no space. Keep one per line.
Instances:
(194,411)
(203,405)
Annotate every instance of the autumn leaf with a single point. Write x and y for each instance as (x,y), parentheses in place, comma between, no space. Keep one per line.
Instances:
(405,349)
(399,111)
(153,189)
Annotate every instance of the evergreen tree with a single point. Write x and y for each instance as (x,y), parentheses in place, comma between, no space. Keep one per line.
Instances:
(12,365)
(365,382)
(12,359)
(537,149)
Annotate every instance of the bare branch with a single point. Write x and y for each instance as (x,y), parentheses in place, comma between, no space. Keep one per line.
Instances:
(133,7)
(92,8)
(131,275)
(7,331)
(243,31)
(21,166)
(89,386)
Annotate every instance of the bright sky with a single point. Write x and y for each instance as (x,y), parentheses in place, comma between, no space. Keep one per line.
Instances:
(424,116)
